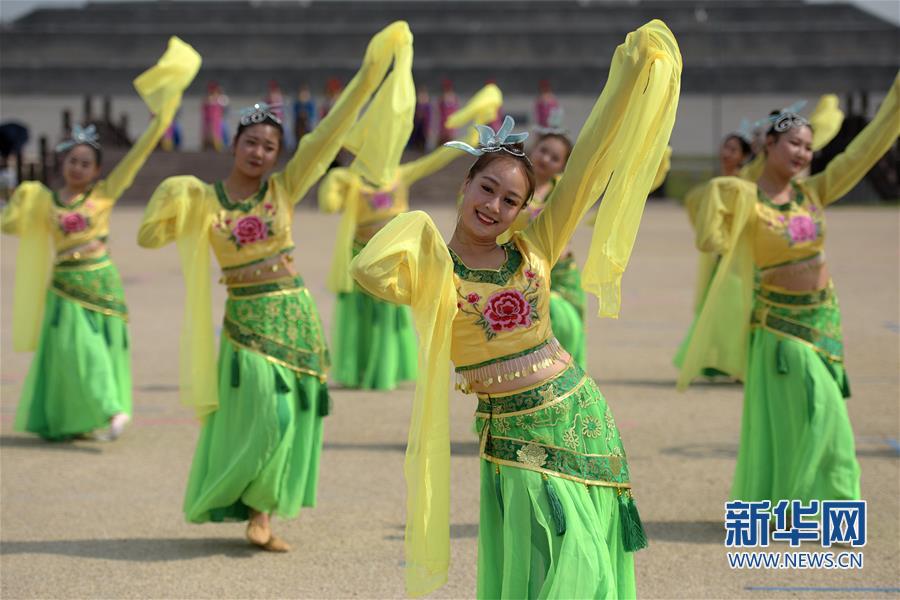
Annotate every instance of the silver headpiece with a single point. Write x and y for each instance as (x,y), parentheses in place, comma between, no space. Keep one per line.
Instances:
(489,140)
(259,112)
(80,135)
(788,118)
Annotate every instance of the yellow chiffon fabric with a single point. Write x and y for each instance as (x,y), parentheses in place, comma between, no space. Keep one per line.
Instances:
(730,221)
(185,208)
(618,152)
(825,119)
(31,209)
(342,189)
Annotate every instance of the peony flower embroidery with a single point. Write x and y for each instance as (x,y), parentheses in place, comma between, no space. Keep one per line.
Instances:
(802,229)
(473,298)
(248,230)
(507,310)
(73,222)
(381,200)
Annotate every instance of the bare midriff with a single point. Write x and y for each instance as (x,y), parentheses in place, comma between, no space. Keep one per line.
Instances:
(89,249)
(366,232)
(273,267)
(560,364)
(804,276)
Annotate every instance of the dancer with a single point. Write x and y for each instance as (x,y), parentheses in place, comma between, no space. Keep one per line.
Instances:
(796,439)
(259,447)
(374,341)
(75,319)
(557,516)
(825,121)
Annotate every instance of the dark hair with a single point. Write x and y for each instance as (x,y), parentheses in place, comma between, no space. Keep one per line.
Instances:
(746,150)
(557,136)
(267,121)
(777,134)
(98,153)
(488,157)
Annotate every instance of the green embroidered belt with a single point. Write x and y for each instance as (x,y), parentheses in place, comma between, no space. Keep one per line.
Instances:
(93,283)
(562,427)
(813,318)
(279,320)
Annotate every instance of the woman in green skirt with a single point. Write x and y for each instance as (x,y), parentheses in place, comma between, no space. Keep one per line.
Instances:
(558,519)
(75,318)
(262,406)
(796,439)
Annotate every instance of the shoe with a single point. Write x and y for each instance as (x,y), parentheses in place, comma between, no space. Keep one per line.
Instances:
(117,426)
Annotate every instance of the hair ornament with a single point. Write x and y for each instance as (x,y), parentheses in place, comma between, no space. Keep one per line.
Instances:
(502,140)
(554,123)
(259,112)
(788,118)
(80,135)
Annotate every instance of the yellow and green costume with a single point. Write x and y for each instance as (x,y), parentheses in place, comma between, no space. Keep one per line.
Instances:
(796,438)
(72,310)
(374,343)
(825,121)
(557,516)
(262,405)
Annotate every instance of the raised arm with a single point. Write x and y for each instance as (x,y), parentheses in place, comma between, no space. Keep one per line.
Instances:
(333,189)
(318,148)
(161,88)
(407,262)
(851,165)
(616,156)
(480,109)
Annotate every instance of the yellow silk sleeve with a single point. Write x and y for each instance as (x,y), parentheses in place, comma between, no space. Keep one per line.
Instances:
(28,216)
(161,88)
(851,165)
(407,262)
(318,148)
(753,169)
(664,167)
(379,137)
(178,211)
(825,120)
(480,109)
(341,190)
(720,336)
(616,156)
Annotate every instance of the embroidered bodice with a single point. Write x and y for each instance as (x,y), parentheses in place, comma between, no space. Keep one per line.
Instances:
(789,232)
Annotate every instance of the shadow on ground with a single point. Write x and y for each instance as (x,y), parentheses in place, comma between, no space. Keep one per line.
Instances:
(36,443)
(138,550)
(685,532)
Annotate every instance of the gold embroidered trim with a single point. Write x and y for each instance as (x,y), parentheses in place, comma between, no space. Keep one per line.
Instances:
(511,369)
(322,375)
(88,305)
(542,406)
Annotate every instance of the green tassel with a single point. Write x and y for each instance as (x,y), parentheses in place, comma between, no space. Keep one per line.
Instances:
(106,333)
(324,400)
(633,536)
(281,385)
(304,398)
(56,312)
(235,369)
(780,359)
(556,507)
(498,489)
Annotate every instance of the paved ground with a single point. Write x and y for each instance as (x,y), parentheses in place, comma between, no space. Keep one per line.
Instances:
(90,520)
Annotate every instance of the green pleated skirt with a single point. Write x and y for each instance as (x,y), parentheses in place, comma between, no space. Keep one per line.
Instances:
(260,449)
(81,372)
(557,516)
(374,342)
(567,301)
(796,439)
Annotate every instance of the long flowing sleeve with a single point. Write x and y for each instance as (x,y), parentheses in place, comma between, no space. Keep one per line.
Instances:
(616,156)
(480,109)
(161,88)
(28,216)
(340,190)
(825,120)
(407,262)
(318,148)
(177,212)
(662,172)
(851,165)
(720,336)
(753,169)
